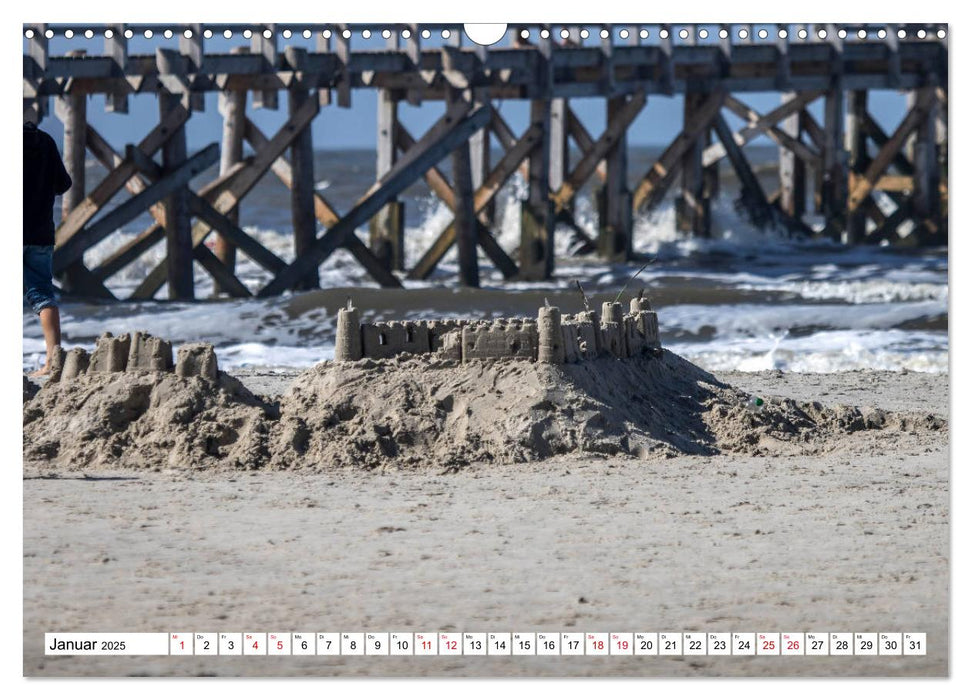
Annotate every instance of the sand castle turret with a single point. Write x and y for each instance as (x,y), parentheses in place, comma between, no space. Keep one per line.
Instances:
(644,319)
(550,336)
(348,335)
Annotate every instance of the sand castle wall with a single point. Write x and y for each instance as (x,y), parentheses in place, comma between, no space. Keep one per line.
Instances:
(550,338)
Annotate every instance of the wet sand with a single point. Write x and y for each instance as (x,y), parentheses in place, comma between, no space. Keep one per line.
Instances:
(852,538)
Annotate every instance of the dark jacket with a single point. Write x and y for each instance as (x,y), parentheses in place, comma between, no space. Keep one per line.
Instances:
(44,178)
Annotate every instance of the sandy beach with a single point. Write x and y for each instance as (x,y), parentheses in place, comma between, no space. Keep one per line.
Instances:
(852,536)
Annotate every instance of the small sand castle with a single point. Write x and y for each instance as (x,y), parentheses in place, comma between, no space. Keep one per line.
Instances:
(136,352)
(551,338)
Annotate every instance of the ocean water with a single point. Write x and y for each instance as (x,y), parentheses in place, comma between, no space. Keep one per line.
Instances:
(744,299)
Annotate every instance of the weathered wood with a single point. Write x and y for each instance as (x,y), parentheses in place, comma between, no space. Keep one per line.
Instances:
(753,196)
(792,169)
(231,231)
(229,198)
(465,221)
(129,252)
(863,186)
(71,109)
(220,273)
(173,180)
(504,169)
(621,113)
(927,176)
(584,140)
(178,227)
(559,164)
(834,183)
(480,152)
(615,238)
(387,226)
(858,159)
(232,107)
(442,189)
(302,191)
(880,138)
(537,245)
(887,231)
(807,154)
(765,124)
(324,212)
(117,178)
(451,130)
(693,210)
(655,183)
(267,49)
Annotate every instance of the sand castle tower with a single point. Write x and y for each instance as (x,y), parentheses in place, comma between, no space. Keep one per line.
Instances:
(348,335)
(551,349)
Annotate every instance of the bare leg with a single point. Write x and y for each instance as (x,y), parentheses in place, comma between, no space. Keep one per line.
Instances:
(50,323)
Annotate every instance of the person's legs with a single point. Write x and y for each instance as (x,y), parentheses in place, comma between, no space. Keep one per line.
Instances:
(50,323)
(39,292)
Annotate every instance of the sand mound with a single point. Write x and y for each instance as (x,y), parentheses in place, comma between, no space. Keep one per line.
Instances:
(421,412)
(415,412)
(145,420)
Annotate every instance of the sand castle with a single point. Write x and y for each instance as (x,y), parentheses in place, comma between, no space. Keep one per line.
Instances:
(136,352)
(551,338)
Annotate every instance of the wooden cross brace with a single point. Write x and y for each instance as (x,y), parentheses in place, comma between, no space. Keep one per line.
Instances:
(455,127)
(652,187)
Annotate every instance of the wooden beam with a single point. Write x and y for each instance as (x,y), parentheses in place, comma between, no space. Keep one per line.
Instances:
(302,191)
(792,169)
(753,196)
(465,221)
(133,249)
(583,140)
(231,231)
(775,133)
(442,189)
(863,186)
(324,212)
(559,165)
(617,126)
(834,184)
(178,226)
(615,238)
(693,209)
(451,130)
(219,272)
(880,139)
(171,182)
(537,247)
(858,160)
(117,178)
(655,183)
(387,226)
(129,252)
(229,198)
(765,124)
(232,107)
(504,169)
(927,175)
(71,109)
(887,231)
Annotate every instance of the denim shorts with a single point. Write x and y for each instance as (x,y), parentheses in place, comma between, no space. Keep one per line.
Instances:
(38,274)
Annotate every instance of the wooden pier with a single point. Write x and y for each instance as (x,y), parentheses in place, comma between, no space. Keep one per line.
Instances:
(833,168)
